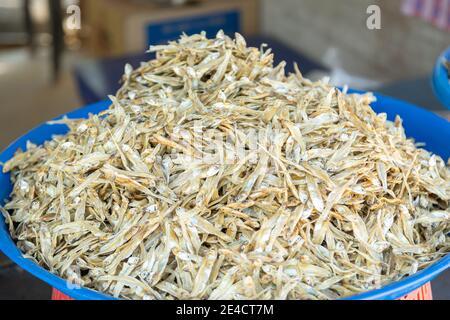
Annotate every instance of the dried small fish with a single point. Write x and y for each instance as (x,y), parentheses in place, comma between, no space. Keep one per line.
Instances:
(213,175)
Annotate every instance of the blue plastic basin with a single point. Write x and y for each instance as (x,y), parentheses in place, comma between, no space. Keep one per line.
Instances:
(440,80)
(419,124)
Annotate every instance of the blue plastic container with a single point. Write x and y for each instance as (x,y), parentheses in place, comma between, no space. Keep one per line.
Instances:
(420,124)
(440,79)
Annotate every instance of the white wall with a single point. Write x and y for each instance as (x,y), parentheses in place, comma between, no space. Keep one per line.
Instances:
(403,48)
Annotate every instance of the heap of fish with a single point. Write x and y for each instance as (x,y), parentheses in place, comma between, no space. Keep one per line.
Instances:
(323,198)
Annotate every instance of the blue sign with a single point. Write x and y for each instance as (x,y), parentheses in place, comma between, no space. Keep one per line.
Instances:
(161,32)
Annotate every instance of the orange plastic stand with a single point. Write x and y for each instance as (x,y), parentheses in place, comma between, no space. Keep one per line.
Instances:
(58,295)
(422,293)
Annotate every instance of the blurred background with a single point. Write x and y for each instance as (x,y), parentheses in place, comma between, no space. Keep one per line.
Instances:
(58,55)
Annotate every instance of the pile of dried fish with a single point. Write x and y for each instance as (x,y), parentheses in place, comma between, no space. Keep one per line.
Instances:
(213,175)
(446,65)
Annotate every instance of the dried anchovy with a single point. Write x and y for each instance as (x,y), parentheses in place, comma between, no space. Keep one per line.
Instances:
(334,201)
